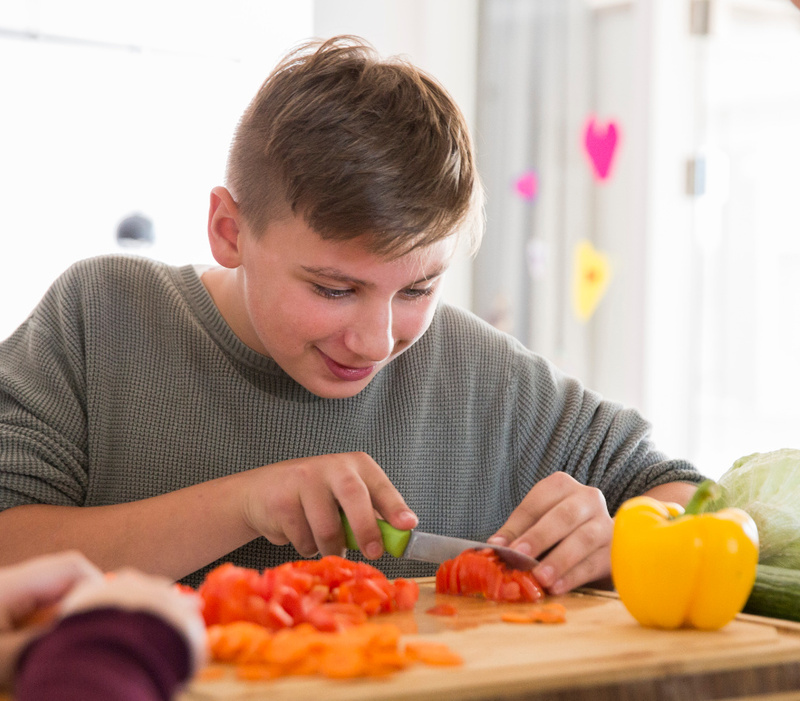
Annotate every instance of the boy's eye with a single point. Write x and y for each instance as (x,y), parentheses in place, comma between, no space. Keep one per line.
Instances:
(410,293)
(418,292)
(331,292)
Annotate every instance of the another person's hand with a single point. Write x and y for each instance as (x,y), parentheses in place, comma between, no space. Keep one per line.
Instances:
(298,502)
(131,590)
(28,594)
(567,526)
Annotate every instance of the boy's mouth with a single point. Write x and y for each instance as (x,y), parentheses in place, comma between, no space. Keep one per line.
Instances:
(346,372)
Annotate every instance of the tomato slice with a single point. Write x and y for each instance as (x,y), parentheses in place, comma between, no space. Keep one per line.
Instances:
(442,610)
(443,575)
(330,593)
(482,573)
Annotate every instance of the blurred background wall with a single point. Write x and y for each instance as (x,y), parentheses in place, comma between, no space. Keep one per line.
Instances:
(640,159)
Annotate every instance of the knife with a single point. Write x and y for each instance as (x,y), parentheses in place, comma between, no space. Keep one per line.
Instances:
(416,545)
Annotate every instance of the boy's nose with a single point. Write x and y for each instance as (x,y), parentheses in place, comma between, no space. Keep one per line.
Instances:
(371,335)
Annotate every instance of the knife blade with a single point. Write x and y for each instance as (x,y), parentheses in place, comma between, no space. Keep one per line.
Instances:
(428,547)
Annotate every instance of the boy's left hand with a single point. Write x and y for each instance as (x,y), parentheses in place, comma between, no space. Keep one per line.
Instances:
(571,521)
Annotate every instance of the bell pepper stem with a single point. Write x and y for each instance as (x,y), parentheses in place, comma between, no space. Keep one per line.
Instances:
(707,492)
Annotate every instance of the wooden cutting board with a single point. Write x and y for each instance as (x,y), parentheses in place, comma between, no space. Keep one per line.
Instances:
(599,653)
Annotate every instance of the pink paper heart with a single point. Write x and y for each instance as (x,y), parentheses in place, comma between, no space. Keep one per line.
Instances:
(527,185)
(601,143)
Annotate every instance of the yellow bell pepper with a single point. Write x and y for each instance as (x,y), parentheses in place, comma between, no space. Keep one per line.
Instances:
(674,568)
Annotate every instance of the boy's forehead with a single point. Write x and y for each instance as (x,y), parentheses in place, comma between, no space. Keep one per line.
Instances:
(343,259)
(296,231)
(418,271)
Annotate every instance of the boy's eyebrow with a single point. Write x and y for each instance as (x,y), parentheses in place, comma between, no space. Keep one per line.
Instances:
(340,276)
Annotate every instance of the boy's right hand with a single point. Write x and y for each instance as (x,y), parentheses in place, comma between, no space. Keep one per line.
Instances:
(298,502)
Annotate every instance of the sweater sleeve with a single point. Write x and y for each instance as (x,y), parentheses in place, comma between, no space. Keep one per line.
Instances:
(43,403)
(563,426)
(107,654)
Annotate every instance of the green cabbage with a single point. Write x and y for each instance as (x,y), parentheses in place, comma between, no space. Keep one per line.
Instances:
(767,486)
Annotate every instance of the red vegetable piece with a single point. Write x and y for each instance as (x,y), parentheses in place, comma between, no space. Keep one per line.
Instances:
(331,593)
(406,593)
(482,573)
(442,610)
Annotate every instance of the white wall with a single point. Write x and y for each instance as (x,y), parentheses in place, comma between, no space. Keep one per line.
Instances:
(115,108)
(668,327)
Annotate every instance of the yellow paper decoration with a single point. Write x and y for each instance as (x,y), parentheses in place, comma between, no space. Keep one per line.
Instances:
(591,277)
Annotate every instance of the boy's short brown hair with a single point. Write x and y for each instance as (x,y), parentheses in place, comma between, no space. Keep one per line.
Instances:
(357,145)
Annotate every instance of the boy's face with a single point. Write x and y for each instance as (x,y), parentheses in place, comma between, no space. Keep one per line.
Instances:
(331,313)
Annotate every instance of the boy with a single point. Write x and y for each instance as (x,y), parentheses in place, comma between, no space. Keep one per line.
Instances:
(169,419)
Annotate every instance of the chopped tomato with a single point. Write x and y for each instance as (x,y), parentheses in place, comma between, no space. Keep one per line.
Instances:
(483,573)
(442,610)
(331,593)
(372,596)
(406,593)
(336,616)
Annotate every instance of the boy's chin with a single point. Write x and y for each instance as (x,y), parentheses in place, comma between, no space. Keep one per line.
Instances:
(337,389)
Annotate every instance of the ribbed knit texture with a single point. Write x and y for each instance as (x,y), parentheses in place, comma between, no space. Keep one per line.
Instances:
(105,655)
(126,382)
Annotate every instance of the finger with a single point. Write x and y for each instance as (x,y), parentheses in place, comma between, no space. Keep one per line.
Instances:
(541,499)
(322,513)
(353,492)
(591,536)
(388,501)
(40,582)
(596,566)
(294,526)
(302,538)
(564,519)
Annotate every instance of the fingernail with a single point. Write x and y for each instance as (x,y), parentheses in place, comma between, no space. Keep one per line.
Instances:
(545,575)
(498,540)
(373,550)
(558,588)
(410,517)
(523,548)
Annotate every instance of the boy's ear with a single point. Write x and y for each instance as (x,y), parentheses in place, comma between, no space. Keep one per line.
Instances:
(224,228)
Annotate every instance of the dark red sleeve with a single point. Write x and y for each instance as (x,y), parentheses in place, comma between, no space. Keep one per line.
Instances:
(107,654)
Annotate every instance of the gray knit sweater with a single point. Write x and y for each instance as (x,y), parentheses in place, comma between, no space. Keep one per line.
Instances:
(125,382)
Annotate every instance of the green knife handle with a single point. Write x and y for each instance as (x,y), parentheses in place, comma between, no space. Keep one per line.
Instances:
(394,540)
